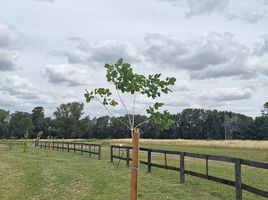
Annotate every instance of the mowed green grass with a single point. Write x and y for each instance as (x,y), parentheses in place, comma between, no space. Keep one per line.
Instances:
(39,174)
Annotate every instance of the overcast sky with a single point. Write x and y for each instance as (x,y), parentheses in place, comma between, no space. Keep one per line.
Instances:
(52,50)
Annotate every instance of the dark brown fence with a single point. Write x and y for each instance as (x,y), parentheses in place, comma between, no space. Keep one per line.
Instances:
(91,149)
(237,183)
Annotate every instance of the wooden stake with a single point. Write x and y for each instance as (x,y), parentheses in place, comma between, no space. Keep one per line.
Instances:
(135,164)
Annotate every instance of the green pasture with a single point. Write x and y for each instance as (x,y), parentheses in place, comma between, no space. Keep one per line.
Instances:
(42,174)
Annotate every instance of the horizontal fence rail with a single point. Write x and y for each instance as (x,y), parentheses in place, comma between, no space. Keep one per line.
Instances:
(18,142)
(91,149)
(237,163)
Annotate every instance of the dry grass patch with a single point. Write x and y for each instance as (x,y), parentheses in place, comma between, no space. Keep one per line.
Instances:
(235,144)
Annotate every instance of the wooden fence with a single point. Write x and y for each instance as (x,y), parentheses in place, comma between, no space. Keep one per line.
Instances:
(237,162)
(94,149)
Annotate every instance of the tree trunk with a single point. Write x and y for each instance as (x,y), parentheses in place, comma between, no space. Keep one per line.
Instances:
(135,164)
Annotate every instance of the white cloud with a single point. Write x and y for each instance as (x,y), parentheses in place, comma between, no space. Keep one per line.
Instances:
(262,49)
(200,7)
(51,1)
(214,56)
(7,61)
(18,87)
(67,74)
(252,18)
(264,2)
(11,41)
(226,94)
(99,52)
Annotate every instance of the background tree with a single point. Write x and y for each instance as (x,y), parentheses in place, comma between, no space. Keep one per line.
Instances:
(264,111)
(85,128)
(67,119)
(101,127)
(19,123)
(4,119)
(38,120)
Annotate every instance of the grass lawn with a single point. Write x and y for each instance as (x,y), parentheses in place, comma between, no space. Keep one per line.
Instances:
(62,175)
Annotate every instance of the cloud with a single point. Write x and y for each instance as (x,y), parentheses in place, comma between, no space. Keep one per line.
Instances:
(51,1)
(193,8)
(99,52)
(67,74)
(252,18)
(226,94)
(262,49)
(264,2)
(7,61)
(7,100)
(201,7)
(18,92)
(213,56)
(181,85)
(11,42)
(18,87)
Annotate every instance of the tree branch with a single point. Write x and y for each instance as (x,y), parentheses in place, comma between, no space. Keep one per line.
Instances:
(112,113)
(133,111)
(142,123)
(129,119)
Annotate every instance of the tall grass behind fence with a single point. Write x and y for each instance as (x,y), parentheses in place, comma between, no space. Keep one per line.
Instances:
(233,144)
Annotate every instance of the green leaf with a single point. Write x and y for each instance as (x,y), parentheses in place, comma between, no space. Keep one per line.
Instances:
(158,105)
(120,62)
(113,103)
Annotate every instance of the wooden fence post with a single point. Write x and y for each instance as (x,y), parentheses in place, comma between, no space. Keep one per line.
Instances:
(166,159)
(111,153)
(127,156)
(89,150)
(68,146)
(99,152)
(81,148)
(207,165)
(182,174)
(238,182)
(74,147)
(149,159)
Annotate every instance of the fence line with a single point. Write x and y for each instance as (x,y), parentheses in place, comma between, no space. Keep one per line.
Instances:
(89,148)
(237,183)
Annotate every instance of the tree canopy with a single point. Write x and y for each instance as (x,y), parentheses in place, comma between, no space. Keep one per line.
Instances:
(122,77)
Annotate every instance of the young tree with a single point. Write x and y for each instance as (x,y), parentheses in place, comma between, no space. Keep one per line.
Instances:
(122,77)
(25,141)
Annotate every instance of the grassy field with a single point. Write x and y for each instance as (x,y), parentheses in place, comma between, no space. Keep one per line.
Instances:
(62,175)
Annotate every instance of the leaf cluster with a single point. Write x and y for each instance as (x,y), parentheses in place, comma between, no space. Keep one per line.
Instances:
(161,120)
(121,75)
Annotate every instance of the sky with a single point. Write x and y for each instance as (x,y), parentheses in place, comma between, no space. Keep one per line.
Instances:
(52,50)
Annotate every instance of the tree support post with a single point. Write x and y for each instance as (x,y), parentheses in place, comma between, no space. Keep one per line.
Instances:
(135,164)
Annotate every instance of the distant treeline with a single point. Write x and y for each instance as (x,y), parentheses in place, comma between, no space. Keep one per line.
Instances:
(67,122)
